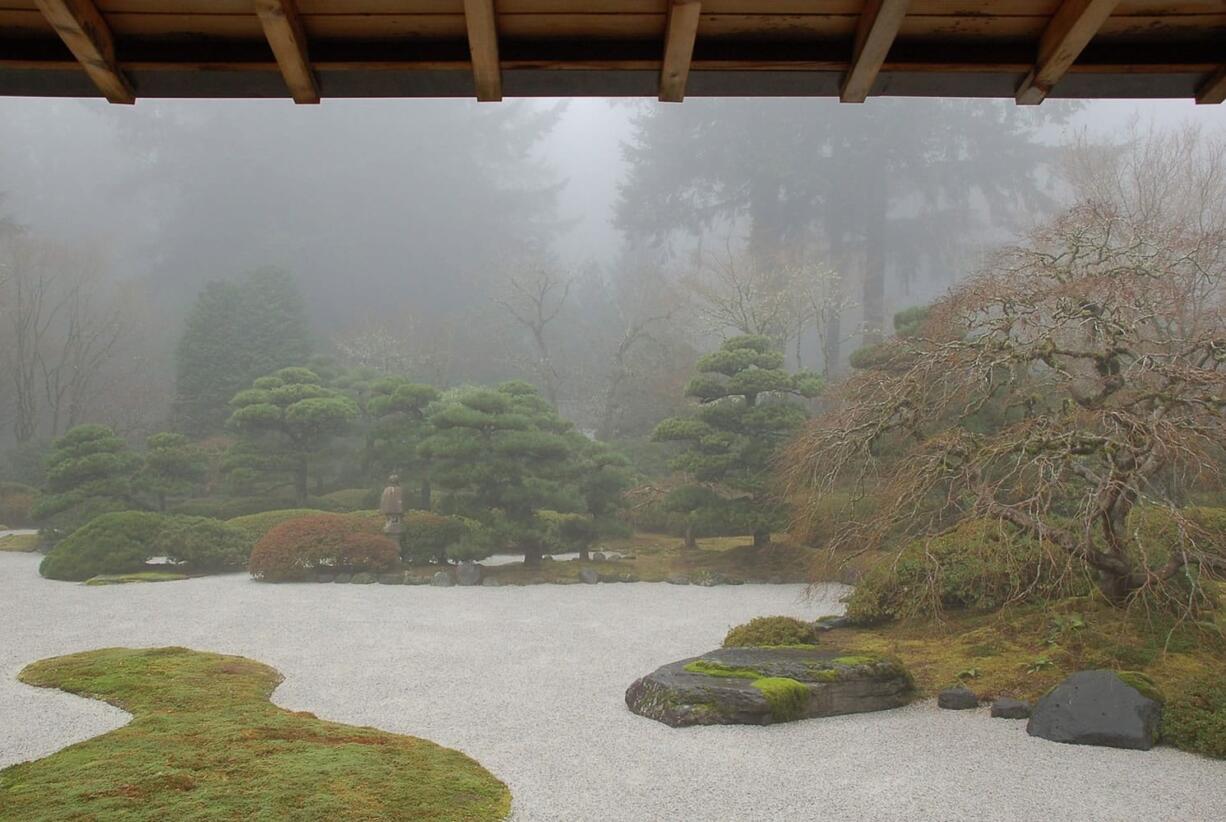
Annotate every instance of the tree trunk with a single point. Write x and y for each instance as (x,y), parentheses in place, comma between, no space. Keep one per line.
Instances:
(424,494)
(691,544)
(532,557)
(585,554)
(301,485)
(874,262)
(761,537)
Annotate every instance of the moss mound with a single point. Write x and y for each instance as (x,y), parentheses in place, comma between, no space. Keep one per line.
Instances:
(786,696)
(774,631)
(205,743)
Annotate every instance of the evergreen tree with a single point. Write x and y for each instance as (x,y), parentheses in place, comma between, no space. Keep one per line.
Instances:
(743,417)
(398,408)
(89,472)
(504,456)
(173,467)
(235,333)
(286,421)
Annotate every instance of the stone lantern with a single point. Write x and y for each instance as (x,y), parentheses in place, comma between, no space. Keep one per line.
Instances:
(391,506)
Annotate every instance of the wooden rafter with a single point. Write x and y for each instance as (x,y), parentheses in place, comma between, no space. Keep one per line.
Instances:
(285,34)
(878,26)
(83,29)
(1214,89)
(482,26)
(679,35)
(1071,28)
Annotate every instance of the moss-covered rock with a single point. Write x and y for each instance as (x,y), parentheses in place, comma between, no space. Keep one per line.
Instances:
(761,686)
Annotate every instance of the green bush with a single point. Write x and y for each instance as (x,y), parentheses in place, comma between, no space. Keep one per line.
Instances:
(203,544)
(1195,718)
(117,543)
(352,499)
(980,565)
(53,528)
(430,537)
(257,525)
(771,631)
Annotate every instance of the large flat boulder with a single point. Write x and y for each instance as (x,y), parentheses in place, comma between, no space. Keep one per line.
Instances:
(1100,708)
(761,686)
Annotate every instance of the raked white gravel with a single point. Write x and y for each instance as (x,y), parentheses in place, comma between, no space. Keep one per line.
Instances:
(530,682)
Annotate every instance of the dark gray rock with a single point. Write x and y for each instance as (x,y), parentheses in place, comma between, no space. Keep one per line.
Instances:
(761,686)
(959,698)
(362,578)
(829,623)
(468,573)
(1007,708)
(677,579)
(598,557)
(325,577)
(588,576)
(442,579)
(343,578)
(393,578)
(1099,708)
(708,579)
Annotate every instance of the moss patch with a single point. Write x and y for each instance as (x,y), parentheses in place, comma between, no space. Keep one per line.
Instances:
(143,576)
(205,743)
(787,697)
(19,543)
(772,632)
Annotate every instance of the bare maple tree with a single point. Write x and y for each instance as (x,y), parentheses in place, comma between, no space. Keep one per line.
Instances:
(534,297)
(1081,376)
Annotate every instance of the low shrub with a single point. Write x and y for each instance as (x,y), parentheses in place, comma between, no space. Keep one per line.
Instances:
(16,502)
(771,631)
(428,537)
(980,565)
(352,499)
(203,545)
(257,525)
(298,547)
(116,543)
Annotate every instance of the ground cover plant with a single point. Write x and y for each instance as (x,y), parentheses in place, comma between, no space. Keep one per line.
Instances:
(205,743)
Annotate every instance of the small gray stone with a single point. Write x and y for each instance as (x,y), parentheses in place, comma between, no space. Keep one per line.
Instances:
(588,576)
(442,579)
(468,573)
(960,698)
(394,578)
(612,557)
(325,578)
(363,578)
(677,579)
(411,578)
(598,557)
(708,579)
(1007,708)
(491,582)
(343,578)
(1097,708)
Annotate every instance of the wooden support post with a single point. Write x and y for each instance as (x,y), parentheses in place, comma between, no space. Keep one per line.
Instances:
(285,34)
(483,47)
(879,24)
(679,35)
(1213,90)
(1071,28)
(83,29)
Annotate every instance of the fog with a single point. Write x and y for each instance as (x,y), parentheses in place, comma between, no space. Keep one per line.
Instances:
(413,219)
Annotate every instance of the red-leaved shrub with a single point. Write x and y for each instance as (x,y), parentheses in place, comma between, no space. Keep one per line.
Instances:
(297,548)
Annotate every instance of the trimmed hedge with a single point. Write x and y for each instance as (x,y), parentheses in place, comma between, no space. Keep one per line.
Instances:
(117,543)
(203,544)
(427,537)
(298,547)
(257,525)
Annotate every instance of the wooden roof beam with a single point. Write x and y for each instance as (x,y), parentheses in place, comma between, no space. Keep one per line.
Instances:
(1214,89)
(483,47)
(287,38)
(84,30)
(1071,28)
(679,35)
(879,24)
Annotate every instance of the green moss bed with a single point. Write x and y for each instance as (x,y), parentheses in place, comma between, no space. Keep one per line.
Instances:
(205,743)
